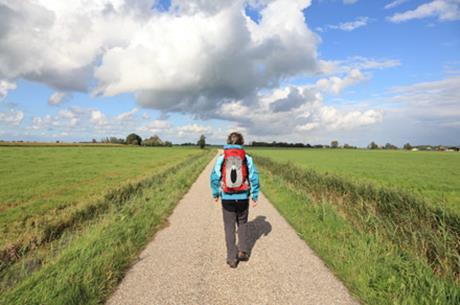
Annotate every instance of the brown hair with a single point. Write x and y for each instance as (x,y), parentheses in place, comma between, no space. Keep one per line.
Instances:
(235,138)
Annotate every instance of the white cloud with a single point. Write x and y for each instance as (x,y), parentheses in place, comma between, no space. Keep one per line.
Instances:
(394,4)
(443,10)
(58,98)
(351,25)
(293,100)
(441,97)
(11,117)
(193,129)
(296,111)
(98,118)
(357,63)
(47,122)
(127,115)
(155,127)
(331,118)
(203,58)
(86,122)
(73,116)
(421,113)
(59,42)
(204,70)
(336,84)
(6,86)
(348,2)
(195,56)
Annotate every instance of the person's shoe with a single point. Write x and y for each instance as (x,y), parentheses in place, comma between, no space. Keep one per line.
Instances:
(243,256)
(232,264)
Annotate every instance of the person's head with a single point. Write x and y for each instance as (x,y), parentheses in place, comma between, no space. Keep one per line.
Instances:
(235,138)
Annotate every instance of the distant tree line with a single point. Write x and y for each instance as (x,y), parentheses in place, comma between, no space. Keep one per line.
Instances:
(373,145)
(334,144)
(134,139)
(155,140)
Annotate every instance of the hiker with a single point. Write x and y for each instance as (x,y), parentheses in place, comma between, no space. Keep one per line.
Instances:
(234,179)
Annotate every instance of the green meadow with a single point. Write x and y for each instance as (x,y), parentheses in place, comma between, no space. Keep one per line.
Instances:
(434,176)
(83,213)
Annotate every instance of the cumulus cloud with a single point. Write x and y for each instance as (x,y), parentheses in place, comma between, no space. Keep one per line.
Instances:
(443,10)
(336,84)
(194,56)
(58,43)
(293,100)
(11,117)
(44,123)
(58,98)
(6,86)
(156,126)
(200,57)
(72,116)
(204,70)
(98,118)
(193,129)
(298,110)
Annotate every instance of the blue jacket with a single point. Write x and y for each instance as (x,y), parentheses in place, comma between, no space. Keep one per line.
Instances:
(253,177)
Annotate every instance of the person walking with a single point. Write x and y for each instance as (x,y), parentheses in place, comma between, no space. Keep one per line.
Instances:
(235,180)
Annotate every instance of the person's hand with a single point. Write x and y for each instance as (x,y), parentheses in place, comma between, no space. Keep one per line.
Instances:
(216,199)
(253,203)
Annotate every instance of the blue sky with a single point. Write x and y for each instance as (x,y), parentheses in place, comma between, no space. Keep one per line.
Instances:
(355,72)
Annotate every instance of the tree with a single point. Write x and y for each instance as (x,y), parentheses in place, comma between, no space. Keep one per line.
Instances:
(94,141)
(372,145)
(390,146)
(407,146)
(133,139)
(153,141)
(335,144)
(202,141)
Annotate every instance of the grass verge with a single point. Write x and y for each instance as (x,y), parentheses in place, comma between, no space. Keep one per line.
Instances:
(89,268)
(387,247)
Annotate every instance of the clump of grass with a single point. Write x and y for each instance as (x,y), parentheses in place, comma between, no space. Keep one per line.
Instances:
(413,247)
(92,264)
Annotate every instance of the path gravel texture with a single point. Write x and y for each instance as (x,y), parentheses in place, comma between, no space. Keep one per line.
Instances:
(186,261)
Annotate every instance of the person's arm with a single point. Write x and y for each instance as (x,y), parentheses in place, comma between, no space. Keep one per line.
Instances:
(215,177)
(253,179)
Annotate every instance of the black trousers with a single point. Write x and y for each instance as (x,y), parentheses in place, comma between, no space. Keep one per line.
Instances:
(235,212)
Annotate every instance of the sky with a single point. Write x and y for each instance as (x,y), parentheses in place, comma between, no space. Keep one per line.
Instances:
(305,71)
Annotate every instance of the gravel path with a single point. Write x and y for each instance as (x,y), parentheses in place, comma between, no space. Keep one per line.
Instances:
(186,262)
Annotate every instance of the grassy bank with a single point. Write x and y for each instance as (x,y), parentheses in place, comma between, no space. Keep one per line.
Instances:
(85,263)
(387,246)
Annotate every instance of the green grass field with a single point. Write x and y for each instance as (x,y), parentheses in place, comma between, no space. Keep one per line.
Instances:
(431,175)
(91,208)
(380,229)
(40,184)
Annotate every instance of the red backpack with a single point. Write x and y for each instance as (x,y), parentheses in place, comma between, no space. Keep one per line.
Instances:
(234,171)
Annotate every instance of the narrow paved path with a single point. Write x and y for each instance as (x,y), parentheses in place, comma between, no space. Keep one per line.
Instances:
(185,263)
